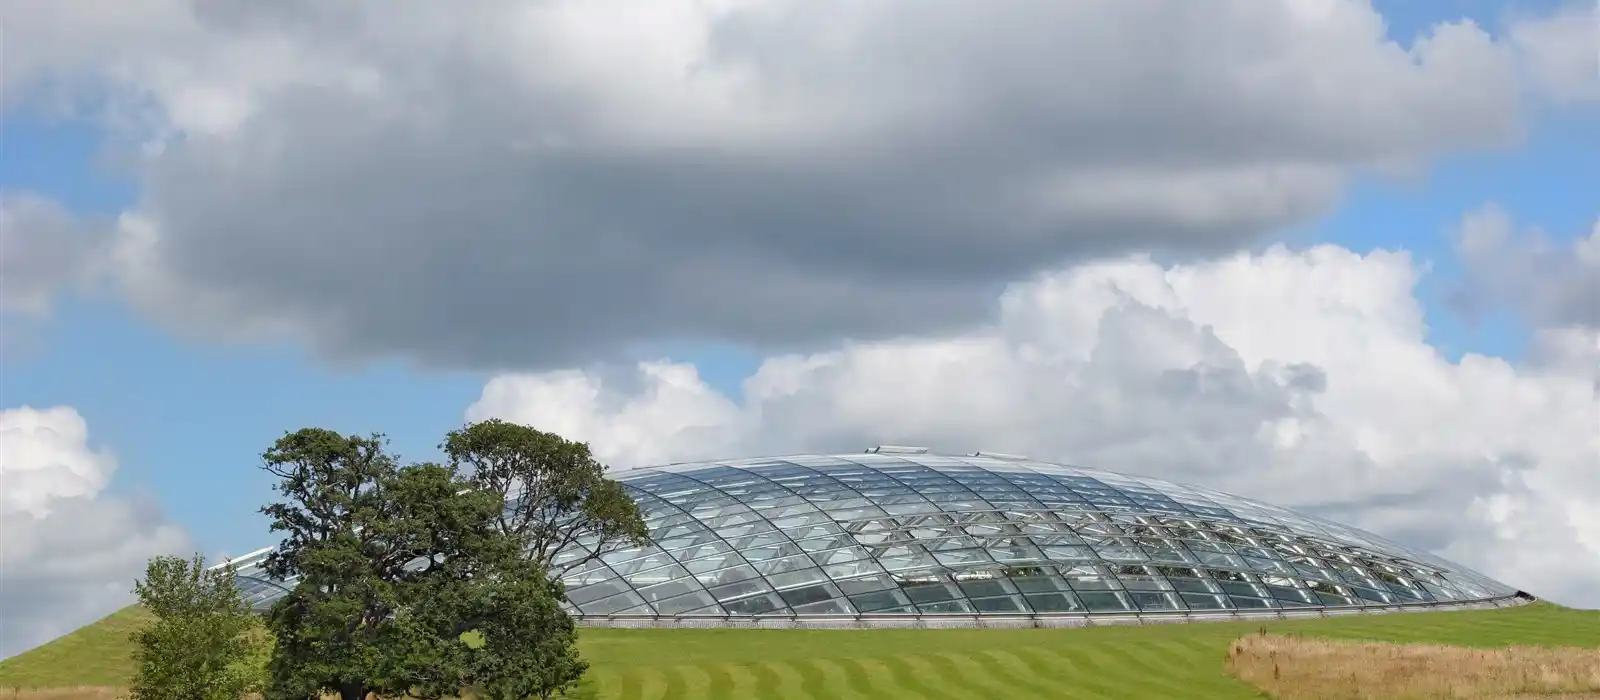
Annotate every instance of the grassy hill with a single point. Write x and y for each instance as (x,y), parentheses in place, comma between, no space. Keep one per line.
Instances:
(1166,661)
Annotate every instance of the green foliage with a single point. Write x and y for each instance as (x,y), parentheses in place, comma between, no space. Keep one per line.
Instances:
(200,644)
(558,495)
(529,644)
(393,564)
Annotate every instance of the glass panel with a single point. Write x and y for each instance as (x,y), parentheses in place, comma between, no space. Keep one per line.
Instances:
(758,554)
(595,591)
(880,600)
(963,556)
(776,566)
(1103,601)
(1155,601)
(670,589)
(851,569)
(612,605)
(928,592)
(1038,583)
(685,603)
(755,605)
(1197,601)
(1053,602)
(984,588)
(997,605)
(1244,603)
(867,584)
(826,607)
(949,606)
(810,594)
(729,575)
(838,556)
(913,561)
(738,589)
(796,578)
(825,543)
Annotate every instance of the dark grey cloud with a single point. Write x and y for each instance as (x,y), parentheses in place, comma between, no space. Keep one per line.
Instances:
(531,184)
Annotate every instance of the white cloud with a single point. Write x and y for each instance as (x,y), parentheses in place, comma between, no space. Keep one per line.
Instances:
(1554,284)
(771,172)
(68,552)
(1300,377)
(1560,52)
(42,250)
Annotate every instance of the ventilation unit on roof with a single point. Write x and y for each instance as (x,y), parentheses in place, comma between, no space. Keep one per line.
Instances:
(898,450)
(1000,455)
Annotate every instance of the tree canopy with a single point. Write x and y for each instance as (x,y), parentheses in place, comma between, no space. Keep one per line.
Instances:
(392,565)
(557,496)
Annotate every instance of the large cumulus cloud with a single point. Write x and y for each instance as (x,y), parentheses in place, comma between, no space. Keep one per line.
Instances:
(1303,377)
(543,182)
(69,552)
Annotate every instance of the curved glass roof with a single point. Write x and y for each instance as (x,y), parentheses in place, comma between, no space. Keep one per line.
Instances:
(903,531)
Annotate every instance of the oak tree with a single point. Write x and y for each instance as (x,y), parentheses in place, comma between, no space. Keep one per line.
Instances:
(557,496)
(391,566)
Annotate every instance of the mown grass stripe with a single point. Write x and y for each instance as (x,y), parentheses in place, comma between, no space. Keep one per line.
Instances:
(1091,672)
(687,681)
(978,675)
(741,681)
(1161,666)
(1075,668)
(1047,667)
(603,683)
(1151,675)
(1014,673)
(813,681)
(652,682)
(907,675)
(881,681)
(856,677)
(787,683)
(1195,666)
(719,684)
(836,680)
(938,674)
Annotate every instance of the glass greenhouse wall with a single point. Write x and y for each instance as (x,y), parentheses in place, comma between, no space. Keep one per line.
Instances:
(906,533)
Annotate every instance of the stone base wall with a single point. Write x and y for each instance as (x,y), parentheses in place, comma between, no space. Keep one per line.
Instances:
(1017,621)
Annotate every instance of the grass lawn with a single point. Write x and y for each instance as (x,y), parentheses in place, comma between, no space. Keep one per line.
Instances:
(1165,661)
(96,655)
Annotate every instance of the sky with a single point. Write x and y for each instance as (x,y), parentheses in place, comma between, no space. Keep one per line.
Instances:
(1338,255)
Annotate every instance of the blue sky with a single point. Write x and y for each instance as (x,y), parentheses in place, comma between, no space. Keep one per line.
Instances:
(188,418)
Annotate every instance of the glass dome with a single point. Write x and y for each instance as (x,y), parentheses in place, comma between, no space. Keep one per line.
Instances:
(898,531)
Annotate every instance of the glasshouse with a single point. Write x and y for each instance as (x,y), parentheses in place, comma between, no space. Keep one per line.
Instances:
(901,536)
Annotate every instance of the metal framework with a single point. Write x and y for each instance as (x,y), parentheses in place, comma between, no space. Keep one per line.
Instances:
(899,534)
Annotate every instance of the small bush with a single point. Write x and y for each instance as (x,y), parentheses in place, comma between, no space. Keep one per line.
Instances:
(203,643)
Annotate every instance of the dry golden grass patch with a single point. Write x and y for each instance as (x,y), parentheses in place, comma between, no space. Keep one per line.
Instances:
(82,692)
(1308,668)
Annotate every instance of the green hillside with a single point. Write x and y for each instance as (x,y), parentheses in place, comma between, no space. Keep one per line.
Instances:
(1166,661)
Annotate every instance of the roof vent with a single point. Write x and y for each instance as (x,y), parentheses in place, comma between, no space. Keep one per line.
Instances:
(1001,455)
(898,450)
